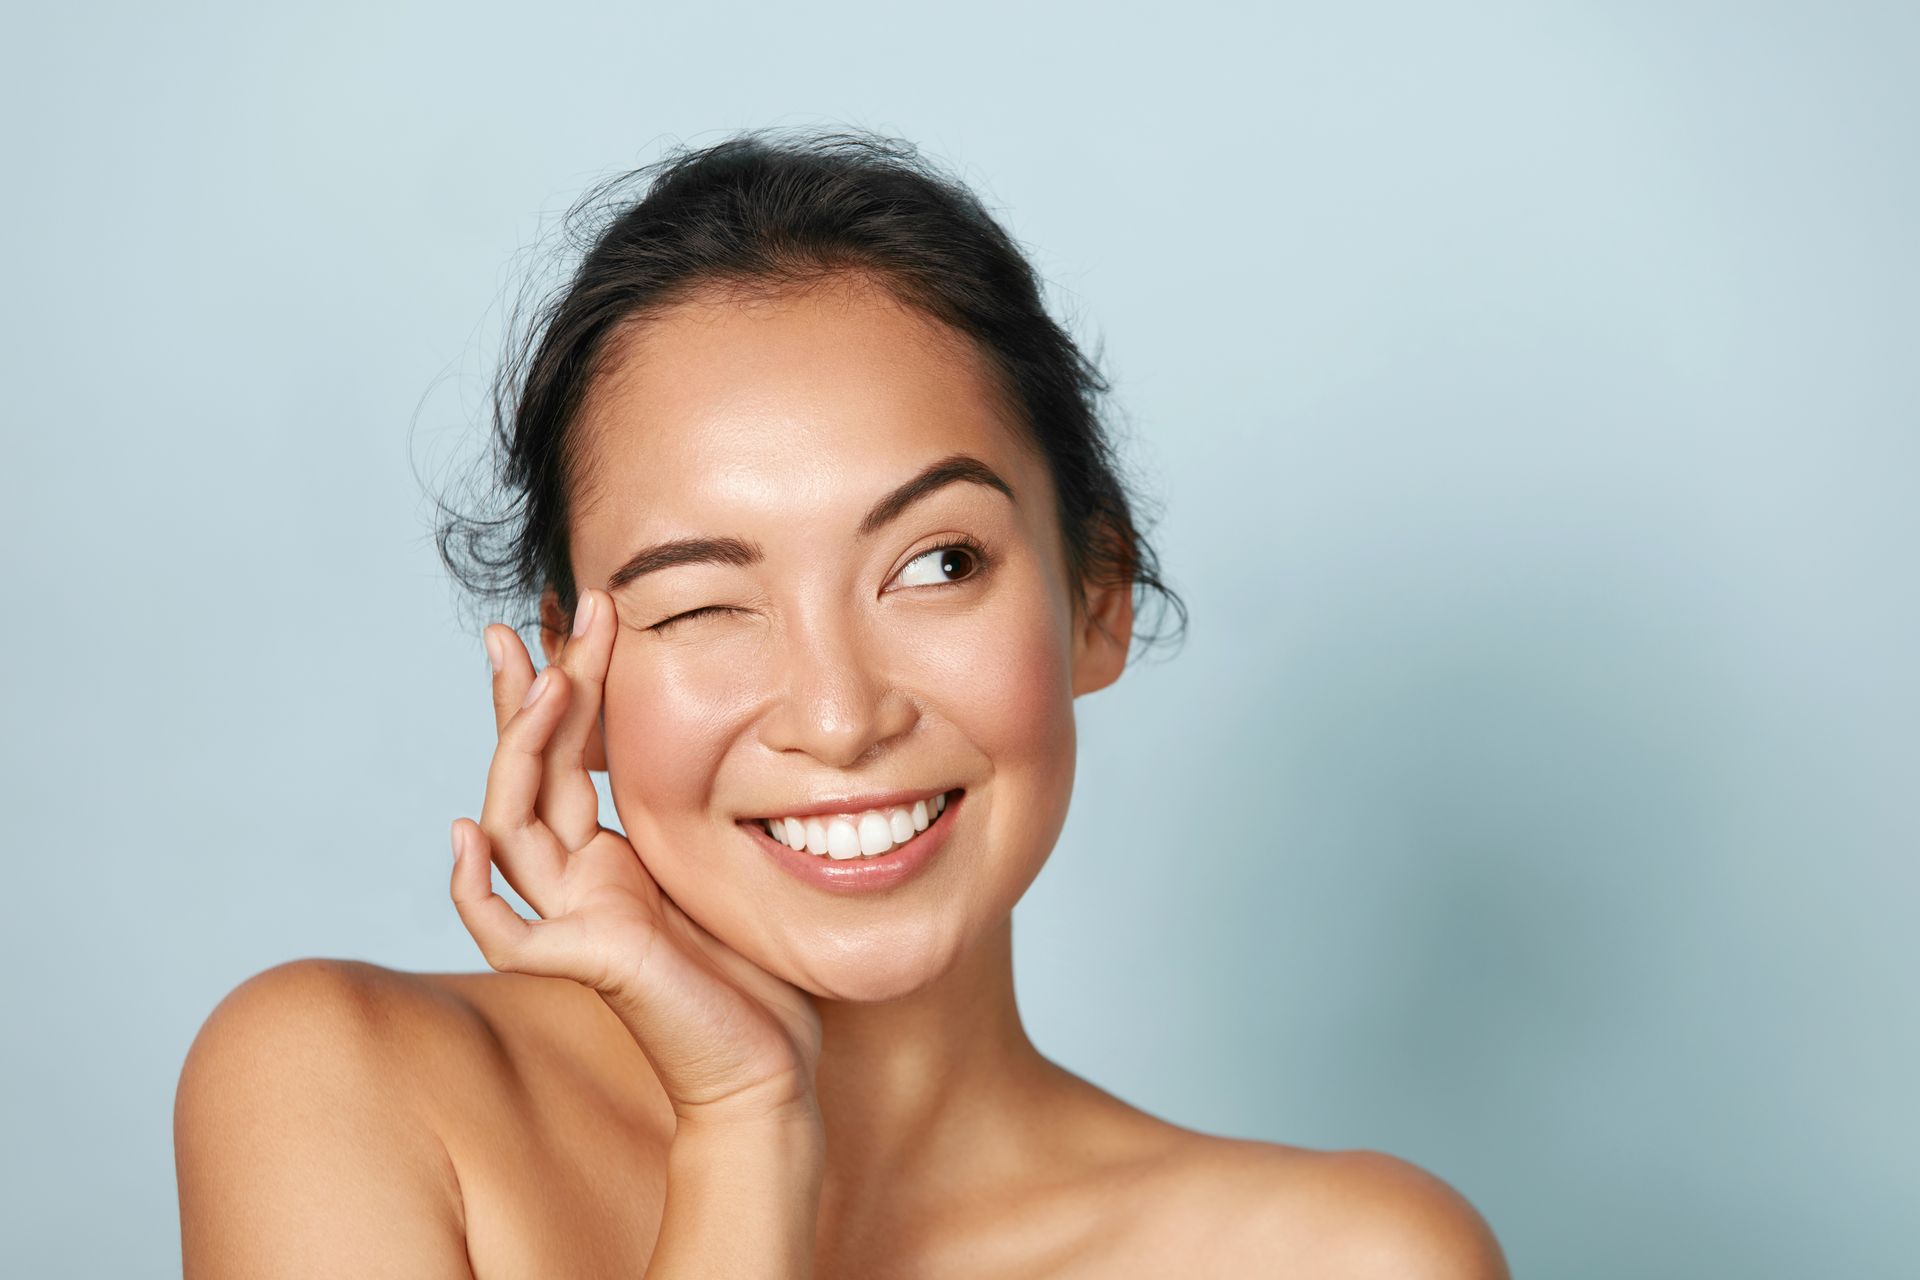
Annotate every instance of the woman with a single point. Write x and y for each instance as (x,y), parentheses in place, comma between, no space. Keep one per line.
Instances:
(826,538)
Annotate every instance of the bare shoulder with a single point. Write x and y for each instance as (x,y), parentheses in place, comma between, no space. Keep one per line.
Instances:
(353,1119)
(329,1027)
(1194,1203)
(1349,1213)
(295,1114)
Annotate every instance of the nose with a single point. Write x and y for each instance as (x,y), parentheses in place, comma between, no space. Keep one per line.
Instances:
(836,702)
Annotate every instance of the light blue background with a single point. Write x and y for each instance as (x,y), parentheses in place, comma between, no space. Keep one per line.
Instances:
(1531,393)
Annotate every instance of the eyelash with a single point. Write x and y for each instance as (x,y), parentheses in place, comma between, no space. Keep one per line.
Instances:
(963,541)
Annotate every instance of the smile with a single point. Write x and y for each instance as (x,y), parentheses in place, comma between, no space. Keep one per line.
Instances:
(868,834)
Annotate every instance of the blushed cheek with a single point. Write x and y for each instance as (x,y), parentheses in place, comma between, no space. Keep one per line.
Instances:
(1009,685)
(1005,680)
(665,737)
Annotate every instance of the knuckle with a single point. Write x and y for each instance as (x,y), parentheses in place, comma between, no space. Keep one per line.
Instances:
(529,727)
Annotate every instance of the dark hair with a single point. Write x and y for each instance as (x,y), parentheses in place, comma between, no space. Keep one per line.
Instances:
(755,214)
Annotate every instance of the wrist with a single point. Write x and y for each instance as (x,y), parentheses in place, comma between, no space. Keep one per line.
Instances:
(793,1125)
(743,1197)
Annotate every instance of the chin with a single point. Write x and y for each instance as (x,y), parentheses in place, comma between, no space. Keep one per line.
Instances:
(866,965)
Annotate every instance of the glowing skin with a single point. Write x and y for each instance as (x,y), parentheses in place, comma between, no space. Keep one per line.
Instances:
(505,1124)
(780,423)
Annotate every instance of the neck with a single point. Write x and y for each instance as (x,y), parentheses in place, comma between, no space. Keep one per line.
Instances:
(931,1081)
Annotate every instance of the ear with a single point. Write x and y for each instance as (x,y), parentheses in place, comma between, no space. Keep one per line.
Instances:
(556,624)
(1101,634)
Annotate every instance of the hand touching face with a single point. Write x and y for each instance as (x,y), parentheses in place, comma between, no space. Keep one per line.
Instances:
(819,652)
(724,1037)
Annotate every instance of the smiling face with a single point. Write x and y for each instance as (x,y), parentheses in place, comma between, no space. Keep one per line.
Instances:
(845,659)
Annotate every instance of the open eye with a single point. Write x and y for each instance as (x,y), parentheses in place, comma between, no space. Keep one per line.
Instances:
(963,557)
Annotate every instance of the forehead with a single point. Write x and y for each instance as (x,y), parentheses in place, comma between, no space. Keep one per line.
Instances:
(831,391)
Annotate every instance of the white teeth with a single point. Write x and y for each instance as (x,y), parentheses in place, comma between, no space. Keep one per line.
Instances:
(842,840)
(868,835)
(875,835)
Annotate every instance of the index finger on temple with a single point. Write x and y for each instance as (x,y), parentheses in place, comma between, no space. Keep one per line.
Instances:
(585,661)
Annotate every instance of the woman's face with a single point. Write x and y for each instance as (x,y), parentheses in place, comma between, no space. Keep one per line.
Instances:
(823,670)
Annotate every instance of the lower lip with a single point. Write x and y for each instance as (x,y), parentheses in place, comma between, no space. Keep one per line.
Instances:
(862,874)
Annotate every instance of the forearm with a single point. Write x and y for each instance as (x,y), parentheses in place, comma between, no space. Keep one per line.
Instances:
(742,1199)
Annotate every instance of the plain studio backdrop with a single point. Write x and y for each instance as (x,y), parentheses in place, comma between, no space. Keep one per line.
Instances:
(1530,394)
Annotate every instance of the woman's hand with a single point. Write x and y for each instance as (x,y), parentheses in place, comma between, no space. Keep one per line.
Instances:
(728,1040)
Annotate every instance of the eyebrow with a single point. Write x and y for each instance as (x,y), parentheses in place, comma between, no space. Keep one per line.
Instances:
(954,468)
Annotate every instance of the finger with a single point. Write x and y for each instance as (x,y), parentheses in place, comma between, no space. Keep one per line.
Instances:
(568,803)
(510,943)
(512,671)
(513,677)
(529,855)
(584,658)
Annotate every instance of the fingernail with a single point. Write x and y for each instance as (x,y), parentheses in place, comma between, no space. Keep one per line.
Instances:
(493,653)
(458,845)
(583,614)
(534,690)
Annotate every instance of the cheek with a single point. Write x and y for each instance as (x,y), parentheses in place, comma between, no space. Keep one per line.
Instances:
(666,729)
(1003,679)
(1004,676)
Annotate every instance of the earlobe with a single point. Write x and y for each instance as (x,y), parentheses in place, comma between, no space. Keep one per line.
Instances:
(554,625)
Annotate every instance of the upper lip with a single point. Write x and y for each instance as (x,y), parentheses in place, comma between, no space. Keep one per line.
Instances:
(854,804)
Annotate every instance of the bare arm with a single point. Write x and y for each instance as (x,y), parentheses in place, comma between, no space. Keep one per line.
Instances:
(295,1147)
(741,1201)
